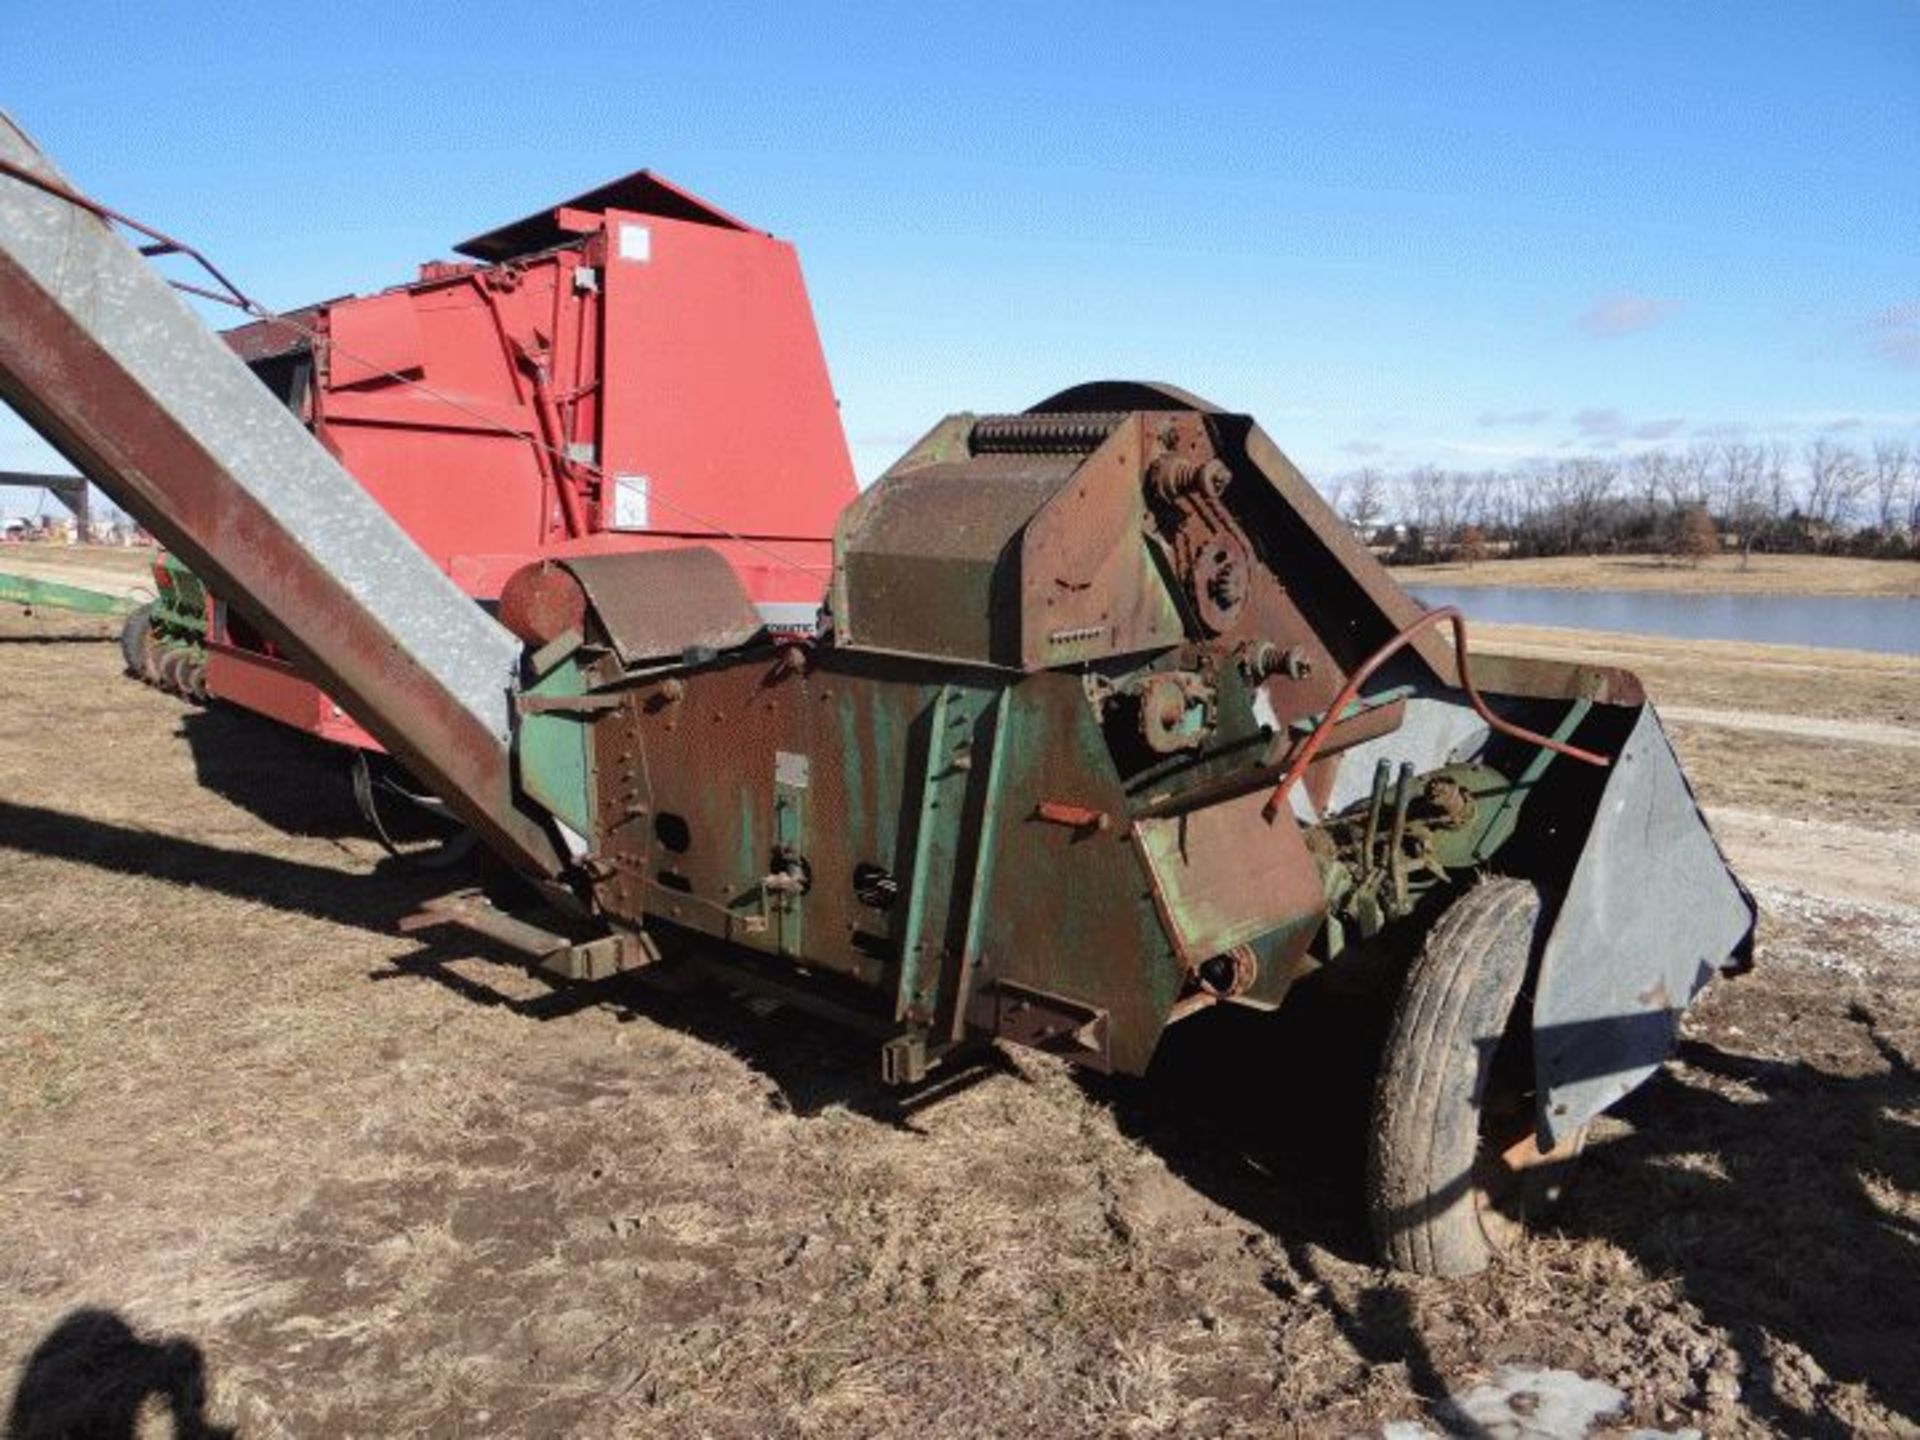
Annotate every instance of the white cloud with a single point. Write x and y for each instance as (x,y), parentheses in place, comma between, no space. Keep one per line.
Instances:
(1626,312)
(1895,334)
(1657,429)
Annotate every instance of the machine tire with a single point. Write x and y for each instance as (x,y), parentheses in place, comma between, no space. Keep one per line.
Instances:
(1452,1165)
(133,640)
(171,658)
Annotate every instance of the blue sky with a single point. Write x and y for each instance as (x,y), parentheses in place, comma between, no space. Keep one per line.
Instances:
(1396,234)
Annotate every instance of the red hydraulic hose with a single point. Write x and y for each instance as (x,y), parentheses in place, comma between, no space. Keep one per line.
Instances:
(1304,756)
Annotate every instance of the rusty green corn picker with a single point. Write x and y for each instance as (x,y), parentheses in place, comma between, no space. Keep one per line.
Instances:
(1106,721)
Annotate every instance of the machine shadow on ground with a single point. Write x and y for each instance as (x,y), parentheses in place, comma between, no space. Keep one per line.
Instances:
(1267,1116)
(77,638)
(294,782)
(371,902)
(812,1064)
(93,1378)
(1751,1181)
(1266,1113)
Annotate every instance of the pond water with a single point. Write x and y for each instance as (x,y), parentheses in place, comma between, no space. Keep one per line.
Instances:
(1853,622)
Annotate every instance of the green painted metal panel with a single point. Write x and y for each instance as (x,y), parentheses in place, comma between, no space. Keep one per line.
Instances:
(31,590)
(550,750)
(972,945)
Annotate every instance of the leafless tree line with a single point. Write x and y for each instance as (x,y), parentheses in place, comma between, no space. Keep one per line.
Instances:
(1823,496)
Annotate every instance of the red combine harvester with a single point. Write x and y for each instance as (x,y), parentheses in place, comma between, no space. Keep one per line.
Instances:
(632,369)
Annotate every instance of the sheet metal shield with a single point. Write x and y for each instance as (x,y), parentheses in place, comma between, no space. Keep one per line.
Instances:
(1223,876)
(1651,913)
(657,604)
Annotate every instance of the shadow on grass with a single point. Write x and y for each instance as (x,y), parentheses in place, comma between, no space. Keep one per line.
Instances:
(93,1378)
(374,902)
(1755,1188)
(295,782)
(1267,1115)
(813,1064)
(1756,1192)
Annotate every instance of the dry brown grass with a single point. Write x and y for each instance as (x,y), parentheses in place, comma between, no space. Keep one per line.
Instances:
(1733,675)
(1723,574)
(381,1188)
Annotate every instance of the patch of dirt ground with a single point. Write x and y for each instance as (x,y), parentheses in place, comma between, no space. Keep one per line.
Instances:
(266,1164)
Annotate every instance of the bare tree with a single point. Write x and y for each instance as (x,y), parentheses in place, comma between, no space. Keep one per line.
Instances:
(1835,480)
(1651,473)
(1531,487)
(1367,501)
(1591,485)
(1479,500)
(1690,476)
(1913,502)
(1777,490)
(1893,476)
(1577,494)
(1434,499)
(1755,495)
(1743,493)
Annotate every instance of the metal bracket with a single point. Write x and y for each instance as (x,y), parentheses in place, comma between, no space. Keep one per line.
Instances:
(555,954)
(903,1059)
(1056,1024)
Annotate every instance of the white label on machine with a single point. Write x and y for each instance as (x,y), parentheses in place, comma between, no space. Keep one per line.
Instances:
(630,502)
(636,243)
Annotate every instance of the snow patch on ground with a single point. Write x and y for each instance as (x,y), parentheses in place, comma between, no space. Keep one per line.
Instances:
(1527,1402)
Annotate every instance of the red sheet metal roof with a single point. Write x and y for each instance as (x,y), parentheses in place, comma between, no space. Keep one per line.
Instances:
(642,192)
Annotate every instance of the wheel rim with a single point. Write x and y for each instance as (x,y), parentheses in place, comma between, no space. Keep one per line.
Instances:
(1514,1177)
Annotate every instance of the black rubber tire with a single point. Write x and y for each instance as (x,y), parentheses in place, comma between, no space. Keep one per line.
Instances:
(1424,1162)
(133,640)
(172,660)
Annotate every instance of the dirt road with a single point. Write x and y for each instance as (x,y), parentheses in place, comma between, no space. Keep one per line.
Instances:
(265,1161)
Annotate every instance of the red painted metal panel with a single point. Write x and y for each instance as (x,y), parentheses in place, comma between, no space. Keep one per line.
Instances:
(716,389)
(275,689)
(376,338)
(455,493)
(642,193)
(496,410)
